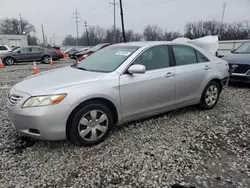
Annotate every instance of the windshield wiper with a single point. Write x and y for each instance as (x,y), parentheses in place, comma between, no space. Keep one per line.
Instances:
(81,68)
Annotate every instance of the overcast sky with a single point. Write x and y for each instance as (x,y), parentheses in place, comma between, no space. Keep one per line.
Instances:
(57,15)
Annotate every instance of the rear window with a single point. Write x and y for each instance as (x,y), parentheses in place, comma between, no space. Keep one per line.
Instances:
(3,48)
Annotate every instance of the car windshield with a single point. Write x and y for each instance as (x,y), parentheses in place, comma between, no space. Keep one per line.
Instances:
(107,59)
(244,48)
(95,48)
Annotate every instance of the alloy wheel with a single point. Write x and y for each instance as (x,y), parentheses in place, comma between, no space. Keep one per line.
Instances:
(46,60)
(212,94)
(93,125)
(9,61)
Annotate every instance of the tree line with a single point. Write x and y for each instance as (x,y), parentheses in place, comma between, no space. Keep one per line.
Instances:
(98,34)
(193,30)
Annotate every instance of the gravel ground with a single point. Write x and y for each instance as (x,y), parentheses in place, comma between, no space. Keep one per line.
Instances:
(180,149)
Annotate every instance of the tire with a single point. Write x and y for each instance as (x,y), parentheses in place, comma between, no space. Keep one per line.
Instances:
(84,127)
(210,95)
(46,59)
(9,61)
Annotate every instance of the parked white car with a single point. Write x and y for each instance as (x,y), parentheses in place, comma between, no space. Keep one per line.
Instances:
(4,48)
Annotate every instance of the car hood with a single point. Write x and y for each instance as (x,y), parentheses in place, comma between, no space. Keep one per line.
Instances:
(237,58)
(6,53)
(51,81)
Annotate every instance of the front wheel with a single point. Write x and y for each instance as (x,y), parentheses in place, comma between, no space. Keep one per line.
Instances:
(91,124)
(210,95)
(9,61)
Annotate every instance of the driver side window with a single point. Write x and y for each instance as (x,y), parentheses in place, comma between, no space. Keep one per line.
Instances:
(156,57)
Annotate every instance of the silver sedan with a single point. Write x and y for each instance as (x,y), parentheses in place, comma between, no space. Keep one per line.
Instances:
(118,84)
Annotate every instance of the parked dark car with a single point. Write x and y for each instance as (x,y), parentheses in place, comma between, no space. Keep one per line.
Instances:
(241,59)
(73,53)
(58,51)
(82,55)
(29,54)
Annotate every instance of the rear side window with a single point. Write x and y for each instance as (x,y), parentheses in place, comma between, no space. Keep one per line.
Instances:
(201,58)
(154,58)
(3,48)
(36,50)
(185,55)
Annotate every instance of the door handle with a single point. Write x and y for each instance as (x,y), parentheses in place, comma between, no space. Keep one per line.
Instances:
(169,74)
(207,68)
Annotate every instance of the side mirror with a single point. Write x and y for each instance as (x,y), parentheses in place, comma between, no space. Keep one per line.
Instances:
(137,69)
(18,52)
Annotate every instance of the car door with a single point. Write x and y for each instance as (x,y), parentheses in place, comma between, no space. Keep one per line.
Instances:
(23,54)
(151,92)
(191,72)
(36,54)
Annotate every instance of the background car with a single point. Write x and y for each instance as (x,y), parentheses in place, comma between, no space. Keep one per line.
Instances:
(58,51)
(241,58)
(120,83)
(4,48)
(82,55)
(72,54)
(29,54)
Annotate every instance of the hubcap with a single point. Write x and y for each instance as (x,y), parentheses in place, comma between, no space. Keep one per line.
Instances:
(93,125)
(211,95)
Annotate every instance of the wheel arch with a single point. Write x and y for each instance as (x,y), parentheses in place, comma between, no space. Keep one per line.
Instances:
(101,100)
(218,81)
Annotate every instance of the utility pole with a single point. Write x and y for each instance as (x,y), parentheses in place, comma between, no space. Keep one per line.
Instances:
(43,35)
(77,22)
(54,39)
(87,33)
(223,13)
(123,30)
(222,17)
(21,23)
(114,4)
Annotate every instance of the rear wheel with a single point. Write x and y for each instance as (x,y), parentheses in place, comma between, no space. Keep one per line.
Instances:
(9,61)
(210,95)
(91,124)
(46,59)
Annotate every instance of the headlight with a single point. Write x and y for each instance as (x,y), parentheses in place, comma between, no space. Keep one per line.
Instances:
(43,100)
(84,56)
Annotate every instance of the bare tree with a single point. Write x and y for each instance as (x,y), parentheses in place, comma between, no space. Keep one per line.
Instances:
(169,36)
(227,31)
(69,41)
(153,33)
(13,26)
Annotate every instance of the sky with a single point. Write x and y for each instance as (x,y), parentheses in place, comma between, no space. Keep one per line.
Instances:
(57,15)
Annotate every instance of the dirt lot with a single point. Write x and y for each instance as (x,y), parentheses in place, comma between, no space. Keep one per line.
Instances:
(183,148)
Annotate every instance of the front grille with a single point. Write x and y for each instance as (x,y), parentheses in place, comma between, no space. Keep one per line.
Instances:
(14,99)
(241,69)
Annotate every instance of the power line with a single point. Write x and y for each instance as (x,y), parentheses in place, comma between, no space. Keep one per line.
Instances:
(76,16)
(114,4)
(150,3)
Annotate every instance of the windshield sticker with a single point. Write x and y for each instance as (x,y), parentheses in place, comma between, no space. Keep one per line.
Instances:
(123,53)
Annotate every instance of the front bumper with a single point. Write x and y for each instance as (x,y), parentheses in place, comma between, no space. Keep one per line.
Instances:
(47,122)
